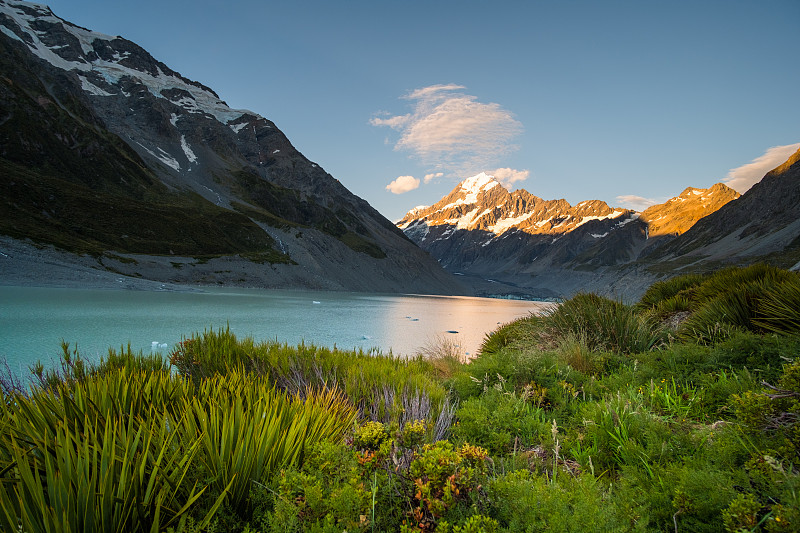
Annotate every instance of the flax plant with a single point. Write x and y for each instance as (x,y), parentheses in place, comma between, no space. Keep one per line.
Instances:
(247,429)
(76,459)
(134,451)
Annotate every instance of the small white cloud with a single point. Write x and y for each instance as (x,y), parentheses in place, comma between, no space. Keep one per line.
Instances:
(742,178)
(403,184)
(450,130)
(429,177)
(638,203)
(509,176)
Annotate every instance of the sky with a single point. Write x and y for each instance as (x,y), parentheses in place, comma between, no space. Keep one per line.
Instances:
(627,102)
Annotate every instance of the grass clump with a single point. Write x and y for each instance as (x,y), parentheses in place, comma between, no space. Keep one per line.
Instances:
(604,325)
(757,298)
(383,387)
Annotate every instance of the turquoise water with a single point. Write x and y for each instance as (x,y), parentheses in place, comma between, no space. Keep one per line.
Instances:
(33,320)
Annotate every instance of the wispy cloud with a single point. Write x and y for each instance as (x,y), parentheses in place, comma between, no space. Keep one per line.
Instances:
(509,176)
(451,131)
(403,184)
(745,176)
(433,176)
(638,203)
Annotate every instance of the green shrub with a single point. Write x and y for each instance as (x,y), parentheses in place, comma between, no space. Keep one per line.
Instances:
(528,503)
(443,478)
(700,494)
(574,350)
(518,333)
(72,367)
(97,455)
(474,524)
(625,433)
(755,298)
(141,449)
(499,422)
(722,315)
(327,494)
(510,369)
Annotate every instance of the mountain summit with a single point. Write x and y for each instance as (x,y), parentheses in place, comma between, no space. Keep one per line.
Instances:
(106,151)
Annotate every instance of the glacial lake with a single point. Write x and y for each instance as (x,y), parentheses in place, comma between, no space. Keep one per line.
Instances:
(34,320)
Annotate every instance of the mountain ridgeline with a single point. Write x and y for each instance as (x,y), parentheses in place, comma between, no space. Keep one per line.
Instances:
(505,242)
(106,151)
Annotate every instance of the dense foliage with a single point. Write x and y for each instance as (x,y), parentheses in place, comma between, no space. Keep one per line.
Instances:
(681,413)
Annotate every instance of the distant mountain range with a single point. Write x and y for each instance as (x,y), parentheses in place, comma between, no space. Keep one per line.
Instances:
(515,243)
(106,151)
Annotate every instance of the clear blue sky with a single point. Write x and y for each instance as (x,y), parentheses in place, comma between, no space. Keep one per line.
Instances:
(595,100)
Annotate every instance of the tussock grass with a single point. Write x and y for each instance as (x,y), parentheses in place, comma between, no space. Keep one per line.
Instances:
(604,325)
(384,388)
(757,298)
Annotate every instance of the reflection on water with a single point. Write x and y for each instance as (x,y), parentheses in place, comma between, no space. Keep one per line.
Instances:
(33,321)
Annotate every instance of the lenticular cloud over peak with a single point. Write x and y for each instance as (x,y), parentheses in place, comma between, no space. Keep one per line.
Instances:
(743,177)
(450,130)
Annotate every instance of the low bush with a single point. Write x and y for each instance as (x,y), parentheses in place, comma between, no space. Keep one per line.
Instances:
(525,502)
(500,422)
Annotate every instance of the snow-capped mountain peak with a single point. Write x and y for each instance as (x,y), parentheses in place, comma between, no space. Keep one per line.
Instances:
(482,229)
(481,182)
(101,61)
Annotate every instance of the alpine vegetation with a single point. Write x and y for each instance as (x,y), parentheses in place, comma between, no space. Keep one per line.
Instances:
(597,416)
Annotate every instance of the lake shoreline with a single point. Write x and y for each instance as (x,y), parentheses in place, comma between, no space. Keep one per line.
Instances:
(23,264)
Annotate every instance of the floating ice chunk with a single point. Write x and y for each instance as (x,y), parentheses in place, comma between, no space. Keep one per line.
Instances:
(314,302)
(162,345)
(366,337)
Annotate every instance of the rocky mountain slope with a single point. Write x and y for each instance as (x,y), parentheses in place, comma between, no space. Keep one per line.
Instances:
(762,225)
(106,151)
(517,241)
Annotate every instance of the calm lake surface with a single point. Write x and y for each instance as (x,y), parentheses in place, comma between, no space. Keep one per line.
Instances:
(33,320)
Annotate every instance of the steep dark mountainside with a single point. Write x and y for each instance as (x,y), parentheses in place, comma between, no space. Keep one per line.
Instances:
(517,243)
(106,151)
(762,225)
